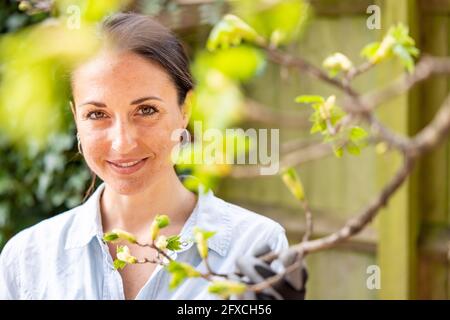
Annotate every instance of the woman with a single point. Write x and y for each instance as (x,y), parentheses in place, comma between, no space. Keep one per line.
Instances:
(128,100)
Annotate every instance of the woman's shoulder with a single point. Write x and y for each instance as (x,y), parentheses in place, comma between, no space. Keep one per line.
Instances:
(242,229)
(43,235)
(29,255)
(239,215)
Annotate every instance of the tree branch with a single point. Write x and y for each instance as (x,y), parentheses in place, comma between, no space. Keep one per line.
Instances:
(426,67)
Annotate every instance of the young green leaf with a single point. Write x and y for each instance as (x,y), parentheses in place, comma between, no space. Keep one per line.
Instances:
(338,151)
(119,264)
(201,237)
(226,288)
(230,31)
(110,237)
(160,221)
(180,271)
(293,182)
(396,42)
(161,242)
(124,235)
(353,148)
(309,99)
(369,50)
(174,243)
(336,63)
(123,254)
(357,134)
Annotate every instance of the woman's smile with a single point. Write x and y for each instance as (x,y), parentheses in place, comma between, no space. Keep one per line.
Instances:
(127,166)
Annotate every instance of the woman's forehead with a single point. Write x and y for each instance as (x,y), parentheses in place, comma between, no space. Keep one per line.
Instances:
(124,72)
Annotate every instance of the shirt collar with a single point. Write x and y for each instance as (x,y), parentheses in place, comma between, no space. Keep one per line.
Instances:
(208,214)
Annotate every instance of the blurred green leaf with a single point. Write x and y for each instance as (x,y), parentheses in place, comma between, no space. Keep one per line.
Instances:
(281,21)
(251,62)
(337,63)
(398,42)
(226,288)
(309,99)
(293,182)
(119,264)
(180,271)
(231,31)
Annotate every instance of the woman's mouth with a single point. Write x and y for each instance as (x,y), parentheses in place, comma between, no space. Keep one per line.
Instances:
(127,166)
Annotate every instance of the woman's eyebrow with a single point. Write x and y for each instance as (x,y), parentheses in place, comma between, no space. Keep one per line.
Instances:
(137,101)
(94,103)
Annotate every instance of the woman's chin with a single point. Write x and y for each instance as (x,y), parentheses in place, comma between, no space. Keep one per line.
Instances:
(126,186)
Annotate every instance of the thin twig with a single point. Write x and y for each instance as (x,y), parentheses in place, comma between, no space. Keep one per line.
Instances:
(425,68)
(362,68)
(301,64)
(308,221)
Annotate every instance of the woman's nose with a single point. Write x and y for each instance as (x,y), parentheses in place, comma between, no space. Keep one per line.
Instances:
(123,141)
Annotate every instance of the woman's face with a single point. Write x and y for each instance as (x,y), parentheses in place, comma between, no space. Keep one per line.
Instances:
(126,109)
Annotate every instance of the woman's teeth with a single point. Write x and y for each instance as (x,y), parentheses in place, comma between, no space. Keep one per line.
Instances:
(127,164)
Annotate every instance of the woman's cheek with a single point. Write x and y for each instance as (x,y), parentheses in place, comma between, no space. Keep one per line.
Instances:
(95,151)
(162,144)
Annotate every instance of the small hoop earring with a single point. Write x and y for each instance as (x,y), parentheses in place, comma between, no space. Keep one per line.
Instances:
(80,151)
(185,137)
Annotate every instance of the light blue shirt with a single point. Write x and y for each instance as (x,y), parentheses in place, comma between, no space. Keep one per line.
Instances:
(64,257)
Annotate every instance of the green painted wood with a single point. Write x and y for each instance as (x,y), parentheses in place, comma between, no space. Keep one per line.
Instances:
(434,165)
(397,224)
(433,278)
(339,274)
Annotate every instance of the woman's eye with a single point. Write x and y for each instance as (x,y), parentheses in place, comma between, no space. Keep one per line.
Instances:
(147,110)
(95,115)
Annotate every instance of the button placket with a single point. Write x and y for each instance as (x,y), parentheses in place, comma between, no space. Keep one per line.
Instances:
(115,284)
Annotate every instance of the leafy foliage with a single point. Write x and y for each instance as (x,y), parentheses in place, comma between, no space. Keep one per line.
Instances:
(12,18)
(325,118)
(226,288)
(279,22)
(36,184)
(180,271)
(174,243)
(231,31)
(396,42)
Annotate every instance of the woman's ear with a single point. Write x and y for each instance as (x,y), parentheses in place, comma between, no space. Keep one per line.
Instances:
(186,108)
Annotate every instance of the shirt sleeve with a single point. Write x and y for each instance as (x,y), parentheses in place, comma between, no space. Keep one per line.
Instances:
(278,242)
(9,277)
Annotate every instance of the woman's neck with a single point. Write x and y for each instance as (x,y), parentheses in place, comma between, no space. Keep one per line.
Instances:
(135,213)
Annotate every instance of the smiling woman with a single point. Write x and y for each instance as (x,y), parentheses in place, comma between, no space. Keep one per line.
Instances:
(127,102)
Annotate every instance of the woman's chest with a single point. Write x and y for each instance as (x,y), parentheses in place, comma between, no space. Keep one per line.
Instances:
(135,276)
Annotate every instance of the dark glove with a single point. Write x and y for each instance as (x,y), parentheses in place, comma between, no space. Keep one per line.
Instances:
(290,287)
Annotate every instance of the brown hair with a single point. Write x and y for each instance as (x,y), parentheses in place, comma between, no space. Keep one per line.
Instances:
(148,38)
(151,40)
